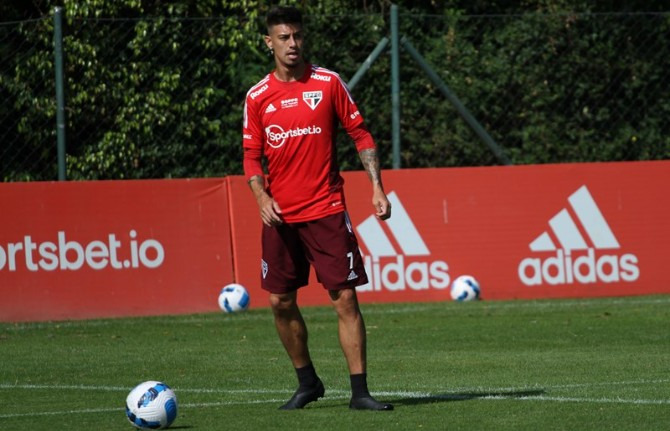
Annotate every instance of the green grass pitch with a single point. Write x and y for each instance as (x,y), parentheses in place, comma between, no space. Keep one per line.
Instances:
(499,365)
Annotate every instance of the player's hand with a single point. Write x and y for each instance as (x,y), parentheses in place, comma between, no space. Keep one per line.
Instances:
(381,204)
(270,211)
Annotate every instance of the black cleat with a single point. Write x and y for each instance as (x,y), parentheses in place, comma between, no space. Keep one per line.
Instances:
(304,396)
(368,403)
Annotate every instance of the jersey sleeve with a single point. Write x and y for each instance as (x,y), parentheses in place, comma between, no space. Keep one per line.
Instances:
(252,140)
(350,116)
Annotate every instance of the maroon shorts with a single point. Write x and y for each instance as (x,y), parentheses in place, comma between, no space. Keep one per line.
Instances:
(328,244)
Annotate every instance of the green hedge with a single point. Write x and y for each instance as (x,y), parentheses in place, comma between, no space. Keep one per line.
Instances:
(156,90)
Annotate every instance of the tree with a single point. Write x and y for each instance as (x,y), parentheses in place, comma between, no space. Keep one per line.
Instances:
(156,89)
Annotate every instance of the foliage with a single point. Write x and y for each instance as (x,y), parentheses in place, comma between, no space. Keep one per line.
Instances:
(163,96)
(155,89)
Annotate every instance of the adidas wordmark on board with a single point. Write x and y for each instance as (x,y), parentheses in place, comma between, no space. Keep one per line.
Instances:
(576,259)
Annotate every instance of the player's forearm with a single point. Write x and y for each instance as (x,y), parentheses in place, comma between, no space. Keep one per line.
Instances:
(370,163)
(257,186)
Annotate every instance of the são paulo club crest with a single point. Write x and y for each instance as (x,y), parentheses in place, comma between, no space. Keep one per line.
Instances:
(312,98)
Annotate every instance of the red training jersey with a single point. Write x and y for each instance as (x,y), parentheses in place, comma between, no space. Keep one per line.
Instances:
(293,125)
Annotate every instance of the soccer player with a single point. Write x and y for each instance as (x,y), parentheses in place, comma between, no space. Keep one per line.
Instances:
(290,119)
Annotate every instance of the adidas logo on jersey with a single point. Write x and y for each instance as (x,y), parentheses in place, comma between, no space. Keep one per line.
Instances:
(386,267)
(270,108)
(576,260)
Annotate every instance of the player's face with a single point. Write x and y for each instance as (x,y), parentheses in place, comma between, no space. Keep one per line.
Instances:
(287,41)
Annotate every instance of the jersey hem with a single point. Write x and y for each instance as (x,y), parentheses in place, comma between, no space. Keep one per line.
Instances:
(339,209)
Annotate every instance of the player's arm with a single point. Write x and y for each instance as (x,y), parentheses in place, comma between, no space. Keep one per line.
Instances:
(351,119)
(370,162)
(270,210)
(253,169)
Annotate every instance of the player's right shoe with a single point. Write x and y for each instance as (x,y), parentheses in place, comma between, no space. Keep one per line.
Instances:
(304,396)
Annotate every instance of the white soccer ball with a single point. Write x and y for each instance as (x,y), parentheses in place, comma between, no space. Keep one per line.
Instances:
(233,298)
(151,405)
(465,288)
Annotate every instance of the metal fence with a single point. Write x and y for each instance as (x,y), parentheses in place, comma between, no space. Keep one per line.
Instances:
(162,97)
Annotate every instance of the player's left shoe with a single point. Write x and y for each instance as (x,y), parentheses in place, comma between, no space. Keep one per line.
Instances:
(369,403)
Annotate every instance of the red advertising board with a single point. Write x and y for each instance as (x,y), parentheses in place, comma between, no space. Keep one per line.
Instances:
(112,248)
(76,250)
(549,231)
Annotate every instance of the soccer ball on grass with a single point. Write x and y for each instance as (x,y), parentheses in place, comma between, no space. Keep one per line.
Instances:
(233,298)
(151,405)
(465,288)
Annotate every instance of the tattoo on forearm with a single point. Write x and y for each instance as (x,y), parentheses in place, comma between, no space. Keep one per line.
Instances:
(256,184)
(371,164)
(255,179)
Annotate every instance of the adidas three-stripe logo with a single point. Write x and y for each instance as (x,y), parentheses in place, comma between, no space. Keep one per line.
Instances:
(402,228)
(567,232)
(575,259)
(387,263)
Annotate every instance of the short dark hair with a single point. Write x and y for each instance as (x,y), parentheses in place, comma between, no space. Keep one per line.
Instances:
(283,15)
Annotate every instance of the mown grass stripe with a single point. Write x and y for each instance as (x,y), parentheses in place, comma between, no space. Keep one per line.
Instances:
(285,391)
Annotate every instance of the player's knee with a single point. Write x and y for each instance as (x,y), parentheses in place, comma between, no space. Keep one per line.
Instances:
(345,301)
(343,296)
(283,303)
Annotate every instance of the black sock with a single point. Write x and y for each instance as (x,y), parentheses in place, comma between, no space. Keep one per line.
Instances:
(307,376)
(359,385)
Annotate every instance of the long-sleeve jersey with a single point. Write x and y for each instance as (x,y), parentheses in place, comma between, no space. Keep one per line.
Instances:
(293,125)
